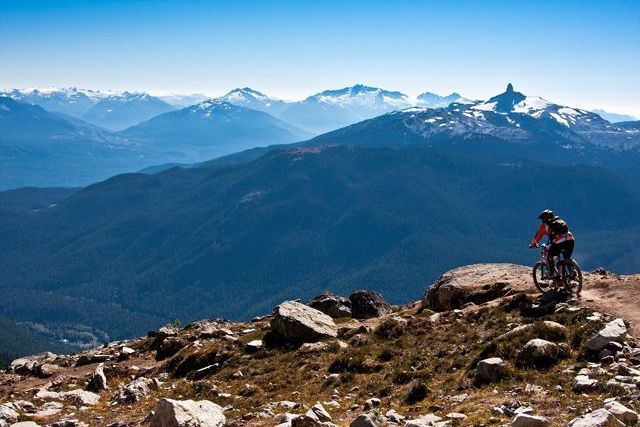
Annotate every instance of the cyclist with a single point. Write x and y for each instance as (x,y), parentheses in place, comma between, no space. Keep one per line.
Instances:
(561,239)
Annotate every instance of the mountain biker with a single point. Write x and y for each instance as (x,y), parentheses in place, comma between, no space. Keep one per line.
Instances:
(561,239)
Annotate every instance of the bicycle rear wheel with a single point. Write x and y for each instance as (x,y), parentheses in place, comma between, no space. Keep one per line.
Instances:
(572,277)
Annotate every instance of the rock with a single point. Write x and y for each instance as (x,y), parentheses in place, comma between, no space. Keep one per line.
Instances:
(47,395)
(615,386)
(598,418)
(540,353)
(332,305)
(248,390)
(614,331)
(48,409)
(97,381)
(8,415)
(133,391)
(374,402)
(253,346)
(317,411)
(394,417)
(370,419)
(25,424)
(582,383)
(476,283)
(187,413)
(31,365)
(82,397)
(424,421)
(491,370)
(88,359)
(296,322)
(314,347)
(368,304)
(168,347)
(305,421)
(621,412)
(125,353)
(527,420)
(47,370)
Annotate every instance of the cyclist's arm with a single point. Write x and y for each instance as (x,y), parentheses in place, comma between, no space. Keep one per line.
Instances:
(543,230)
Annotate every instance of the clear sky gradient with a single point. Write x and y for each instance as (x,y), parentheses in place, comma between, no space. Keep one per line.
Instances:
(579,53)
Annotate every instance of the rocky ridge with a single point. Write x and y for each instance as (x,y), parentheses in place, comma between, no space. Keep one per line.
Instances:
(482,348)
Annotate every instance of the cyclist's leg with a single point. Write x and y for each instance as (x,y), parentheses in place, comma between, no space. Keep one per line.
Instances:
(553,254)
(567,252)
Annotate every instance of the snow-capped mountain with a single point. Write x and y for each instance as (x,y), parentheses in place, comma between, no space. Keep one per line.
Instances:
(247,97)
(117,112)
(333,109)
(71,101)
(181,101)
(212,128)
(510,117)
(433,100)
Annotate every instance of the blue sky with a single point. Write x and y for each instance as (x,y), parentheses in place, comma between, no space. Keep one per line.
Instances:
(584,54)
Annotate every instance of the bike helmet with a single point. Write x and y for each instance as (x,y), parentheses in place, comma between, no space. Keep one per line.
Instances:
(546,215)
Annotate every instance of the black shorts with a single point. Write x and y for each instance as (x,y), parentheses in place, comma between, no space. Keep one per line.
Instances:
(565,248)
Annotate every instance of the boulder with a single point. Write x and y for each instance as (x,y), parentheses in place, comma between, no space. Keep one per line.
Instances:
(296,322)
(597,418)
(253,346)
(318,412)
(491,370)
(368,304)
(47,395)
(370,419)
(8,415)
(187,413)
(314,347)
(476,283)
(614,331)
(305,421)
(49,409)
(82,397)
(394,417)
(423,421)
(622,413)
(540,353)
(582,383)
(134,391)
(332,305)
(31,365)
(528,420)
(97,381)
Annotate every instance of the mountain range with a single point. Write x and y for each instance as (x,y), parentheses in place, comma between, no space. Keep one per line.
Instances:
(40,148)
(385,204)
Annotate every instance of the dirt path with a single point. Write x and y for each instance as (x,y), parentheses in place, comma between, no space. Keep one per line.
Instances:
(617,295)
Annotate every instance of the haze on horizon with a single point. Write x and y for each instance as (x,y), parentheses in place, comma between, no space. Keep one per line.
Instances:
(583,54)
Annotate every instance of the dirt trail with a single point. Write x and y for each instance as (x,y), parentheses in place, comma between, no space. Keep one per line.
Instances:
(617,295)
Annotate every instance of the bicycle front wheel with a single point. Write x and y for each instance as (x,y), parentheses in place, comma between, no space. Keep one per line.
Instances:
(541,276)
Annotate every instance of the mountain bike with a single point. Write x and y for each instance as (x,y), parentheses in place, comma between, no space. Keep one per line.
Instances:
(545,277)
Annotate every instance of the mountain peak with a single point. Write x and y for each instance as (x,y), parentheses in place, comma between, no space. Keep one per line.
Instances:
(506,101)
